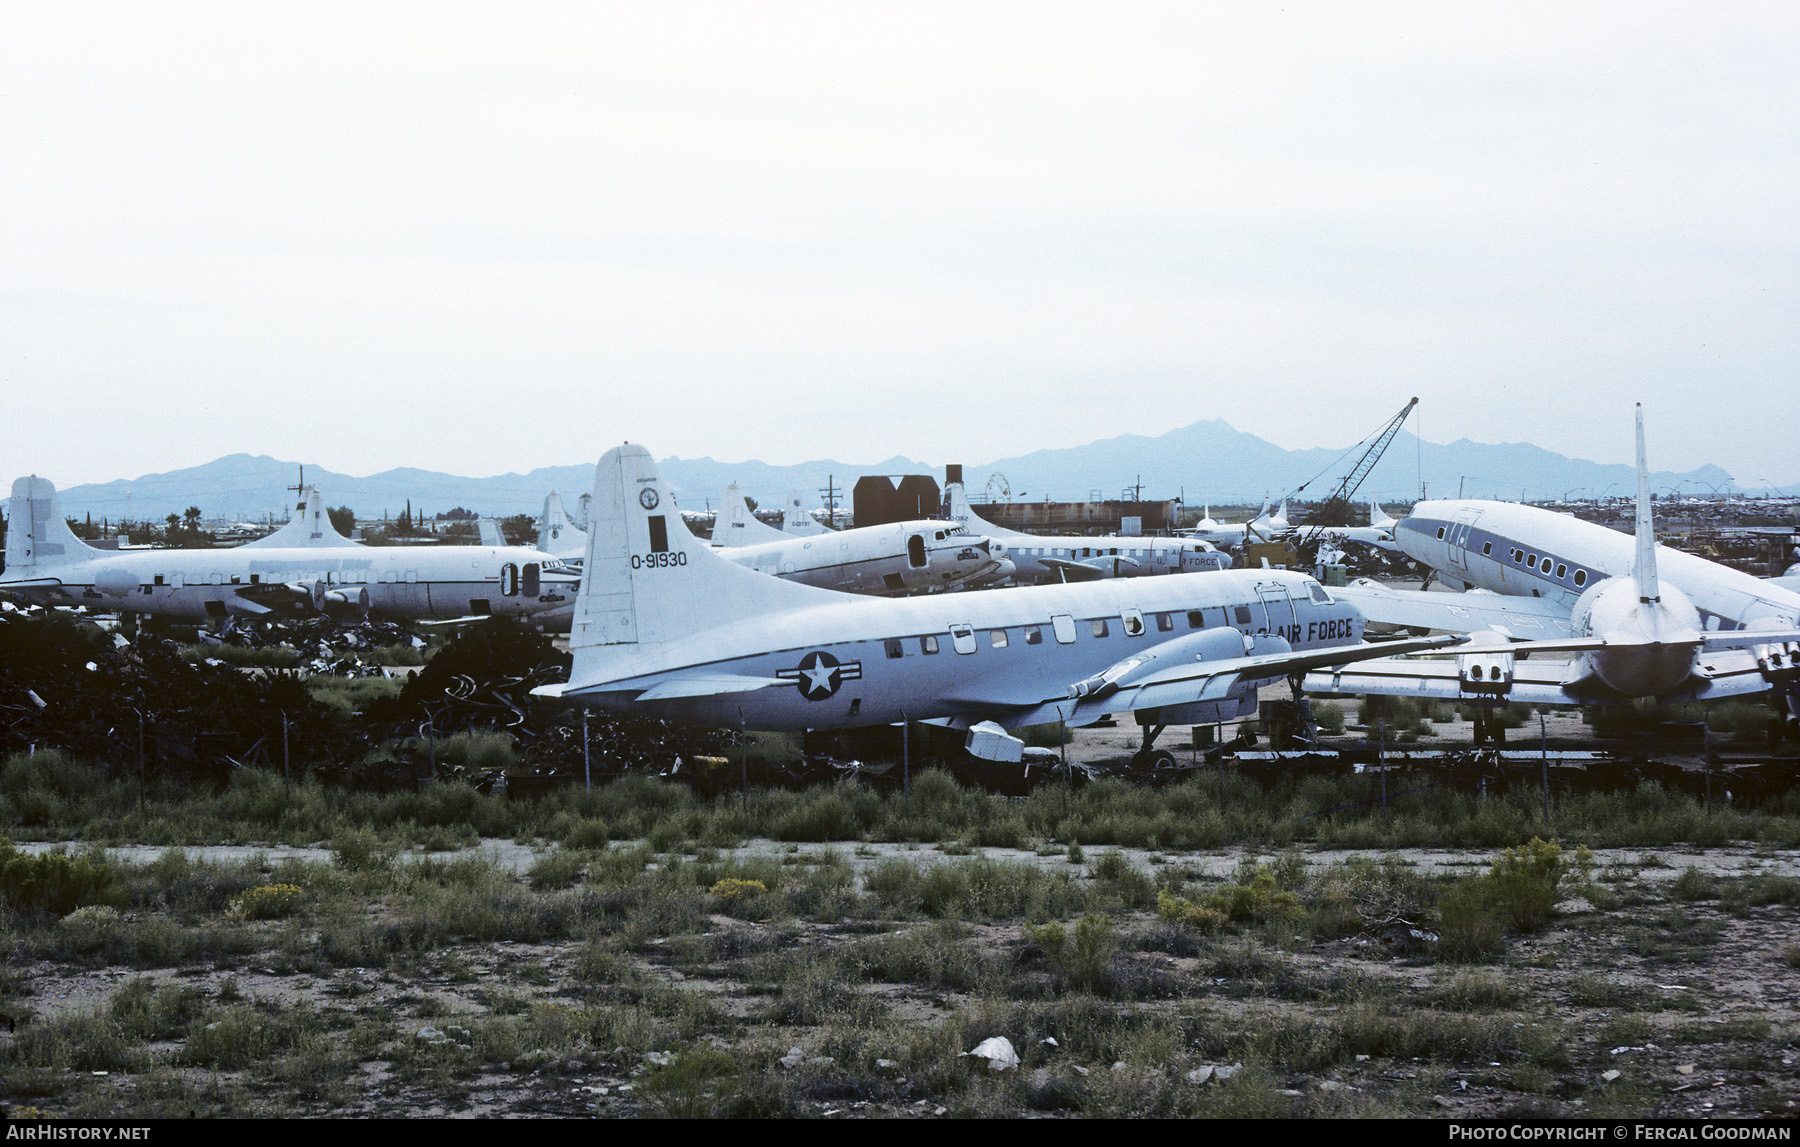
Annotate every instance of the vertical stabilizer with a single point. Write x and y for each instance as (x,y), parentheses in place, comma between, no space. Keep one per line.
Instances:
(310,527)
(796,521)
(489,533)
(37,535)
(735,525)
(1643,570)
(647,582)
(557,535)
(1378,517)
(958,510)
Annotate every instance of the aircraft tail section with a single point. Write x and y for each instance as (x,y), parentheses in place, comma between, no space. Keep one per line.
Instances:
(309,528)
(1378,517)
(37,534)
(648,583)
(735,525)
(558,535)
(958,510)
(796,521)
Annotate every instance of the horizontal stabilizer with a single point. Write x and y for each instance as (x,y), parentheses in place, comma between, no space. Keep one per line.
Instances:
(706,685)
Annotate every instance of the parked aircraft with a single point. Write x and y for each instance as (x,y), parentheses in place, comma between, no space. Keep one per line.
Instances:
(664,625)
(47,563)
(1378,534)
(310,527)
(557,535)
(736,526)
(1640,620)
(897,558)
(1046,559)
(796,521)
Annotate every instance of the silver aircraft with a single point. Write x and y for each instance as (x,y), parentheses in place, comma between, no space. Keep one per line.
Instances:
(664,625)
(1638,620)
(304,569)
(1042,559)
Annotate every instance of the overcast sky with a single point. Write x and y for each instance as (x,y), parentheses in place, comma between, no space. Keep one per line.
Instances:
(489,238)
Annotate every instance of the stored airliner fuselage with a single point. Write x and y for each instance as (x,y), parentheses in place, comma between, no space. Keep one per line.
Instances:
(1045,559)
(1525,551)
(46,562)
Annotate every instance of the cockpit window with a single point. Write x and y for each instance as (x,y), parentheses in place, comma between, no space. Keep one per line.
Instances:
(1318,594)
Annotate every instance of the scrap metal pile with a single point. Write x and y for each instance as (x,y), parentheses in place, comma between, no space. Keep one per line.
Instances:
(324,644)
(140,707)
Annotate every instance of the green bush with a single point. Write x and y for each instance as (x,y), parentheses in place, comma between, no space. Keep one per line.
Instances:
(55,882)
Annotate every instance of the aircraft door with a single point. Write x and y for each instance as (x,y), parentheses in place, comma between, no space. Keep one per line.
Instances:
(528,585)
(1457,537)
(915,551)
(1277,606)
(509,580)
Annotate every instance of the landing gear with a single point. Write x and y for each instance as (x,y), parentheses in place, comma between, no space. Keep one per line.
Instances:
(1488,726)
(1150,757)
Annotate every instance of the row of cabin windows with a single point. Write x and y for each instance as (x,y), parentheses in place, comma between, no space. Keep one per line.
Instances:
(964,639)
(1544,565)
(1532,561)
(342,578)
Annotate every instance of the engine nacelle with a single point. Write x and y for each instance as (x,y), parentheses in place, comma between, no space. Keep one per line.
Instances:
(345,602)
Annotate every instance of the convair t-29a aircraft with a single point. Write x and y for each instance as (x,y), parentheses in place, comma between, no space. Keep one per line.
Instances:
(664,625)
(1044,559)
(1641,620)
(306,568)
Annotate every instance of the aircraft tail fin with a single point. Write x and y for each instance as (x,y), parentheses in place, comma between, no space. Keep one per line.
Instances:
(736,525)
(796,521)
(957,509)
(648,583)
(556,533)
(1378,517)
(309,528)
(1643,569)
(37,534)
(489,532)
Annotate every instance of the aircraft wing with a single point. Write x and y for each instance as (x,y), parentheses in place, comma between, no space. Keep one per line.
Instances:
(1070,571)
(1518,617)
(1160,682)
(1728,673)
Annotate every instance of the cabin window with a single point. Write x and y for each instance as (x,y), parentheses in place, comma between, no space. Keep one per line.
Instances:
(997,638)
(1164,623)
(1440,533)
(1580,577)
(1518,555)
(1034,635)
(1241,613)
(929,643)
(962,638)
(895,649)
(1195,621)
(255,579)
(1064,626)
(1531,560)
(1098,625)
(1487,548)
(159,579)
(1561,569)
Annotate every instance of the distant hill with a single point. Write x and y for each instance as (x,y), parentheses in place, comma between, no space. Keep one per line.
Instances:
(1207,461)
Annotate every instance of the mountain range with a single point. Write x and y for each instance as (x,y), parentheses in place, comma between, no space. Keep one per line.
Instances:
(1205,462)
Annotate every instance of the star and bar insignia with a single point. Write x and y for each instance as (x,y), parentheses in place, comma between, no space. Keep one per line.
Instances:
(819,675)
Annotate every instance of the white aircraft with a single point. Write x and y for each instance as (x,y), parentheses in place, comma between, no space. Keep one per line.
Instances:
(796,521)
(1045,559)
(322,574)
(1640,620)
(557,535)
(309,527)
(664,625)
(1378,534)
(897,558)
(735,525)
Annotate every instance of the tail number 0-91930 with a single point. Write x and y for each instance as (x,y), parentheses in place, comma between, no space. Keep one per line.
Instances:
(658,561)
